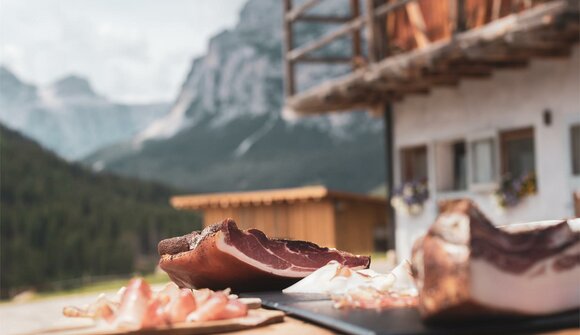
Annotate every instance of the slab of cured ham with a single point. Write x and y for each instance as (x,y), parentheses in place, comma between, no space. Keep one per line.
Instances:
(223,256)
(467,267)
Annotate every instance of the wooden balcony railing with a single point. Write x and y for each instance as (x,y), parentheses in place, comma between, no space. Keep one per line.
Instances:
(390,27)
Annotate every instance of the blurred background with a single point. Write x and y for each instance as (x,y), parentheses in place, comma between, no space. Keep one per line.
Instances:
(111,108)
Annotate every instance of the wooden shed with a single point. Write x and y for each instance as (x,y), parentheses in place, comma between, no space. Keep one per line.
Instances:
(347,221)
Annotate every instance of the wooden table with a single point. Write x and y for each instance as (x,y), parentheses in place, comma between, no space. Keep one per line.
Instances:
(290,326)
(293,326)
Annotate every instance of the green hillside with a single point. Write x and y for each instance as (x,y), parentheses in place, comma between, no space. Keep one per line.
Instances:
(61,222)
(204,159)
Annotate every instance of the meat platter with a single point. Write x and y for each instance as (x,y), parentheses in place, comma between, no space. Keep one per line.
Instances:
(465,276)
(255,318)
(138,309)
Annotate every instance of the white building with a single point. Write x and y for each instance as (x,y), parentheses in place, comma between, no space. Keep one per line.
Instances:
(460,138)
(491,92)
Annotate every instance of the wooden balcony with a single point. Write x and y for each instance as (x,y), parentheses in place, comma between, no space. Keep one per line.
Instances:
(413,46)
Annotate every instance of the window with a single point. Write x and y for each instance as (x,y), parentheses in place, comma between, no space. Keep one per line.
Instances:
(575,145)
(483,161)
(459,166)
(517,153)
(451,159)
(414,164)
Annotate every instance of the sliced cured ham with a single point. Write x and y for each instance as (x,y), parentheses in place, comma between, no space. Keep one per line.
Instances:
(135,304)
(223,256)
(139,308)
(467,267)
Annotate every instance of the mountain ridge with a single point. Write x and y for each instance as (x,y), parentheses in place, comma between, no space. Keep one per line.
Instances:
(68,116)
(225,131)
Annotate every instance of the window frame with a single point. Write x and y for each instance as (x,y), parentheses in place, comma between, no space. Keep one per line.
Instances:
(474,186)
(572,127)
(438,169)
(514,134)
(403,159)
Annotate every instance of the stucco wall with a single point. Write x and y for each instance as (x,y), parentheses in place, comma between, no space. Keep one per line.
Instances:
(509,99)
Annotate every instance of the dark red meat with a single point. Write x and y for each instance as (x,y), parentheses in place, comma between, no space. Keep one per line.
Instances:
(224,256)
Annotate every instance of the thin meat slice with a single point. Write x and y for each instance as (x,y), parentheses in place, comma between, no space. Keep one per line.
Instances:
(135,306)
(212,309)
(234,309)
(177,303)
(223,256)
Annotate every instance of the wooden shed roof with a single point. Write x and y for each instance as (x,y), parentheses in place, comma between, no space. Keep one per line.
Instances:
(547,30)
(268,197)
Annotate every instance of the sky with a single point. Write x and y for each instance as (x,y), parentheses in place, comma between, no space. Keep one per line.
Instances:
(132,51)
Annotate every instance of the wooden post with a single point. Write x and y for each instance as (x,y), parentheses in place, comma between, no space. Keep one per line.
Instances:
(389,175)
(371,30)
(495,9)
(294,13)
(356,41)
(457,16)
(343,30)
(289,87)
(382,42)
(417,24)
(461,25)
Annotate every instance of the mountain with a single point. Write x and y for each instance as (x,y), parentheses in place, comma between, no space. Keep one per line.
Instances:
(226,132)
(68,117)
(61,222)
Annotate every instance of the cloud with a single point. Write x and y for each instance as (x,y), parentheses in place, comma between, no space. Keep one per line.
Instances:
(131,50)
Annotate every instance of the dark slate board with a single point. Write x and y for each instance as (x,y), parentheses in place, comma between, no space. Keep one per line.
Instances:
(401,321)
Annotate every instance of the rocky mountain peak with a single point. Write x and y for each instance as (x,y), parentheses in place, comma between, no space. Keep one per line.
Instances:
(68,117)
(13,89)
(73,86)
(7,77)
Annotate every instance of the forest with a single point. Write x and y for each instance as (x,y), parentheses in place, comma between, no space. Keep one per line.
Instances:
(61,222)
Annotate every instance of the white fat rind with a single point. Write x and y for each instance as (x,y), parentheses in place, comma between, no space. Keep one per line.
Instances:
(533,292)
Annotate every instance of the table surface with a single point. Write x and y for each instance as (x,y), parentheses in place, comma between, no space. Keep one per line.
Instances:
(294,326)
(18,318)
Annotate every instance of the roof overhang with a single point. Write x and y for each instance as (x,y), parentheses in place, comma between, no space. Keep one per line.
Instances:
(547,30)
(269,197)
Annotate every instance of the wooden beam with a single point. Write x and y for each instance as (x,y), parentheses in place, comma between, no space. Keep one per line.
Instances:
(484,49)
(344,29)
(289,85)
(509,64)
(444,79)
(452,16)
(383,49)
(389,7)
(532,41)
(323,19)
(293,14)
(480,17)
(307,59)
(472,70)
(326,39)
(495,9)
(417,24)
(460,23)
(355,37)
(563,52)
(371,31)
